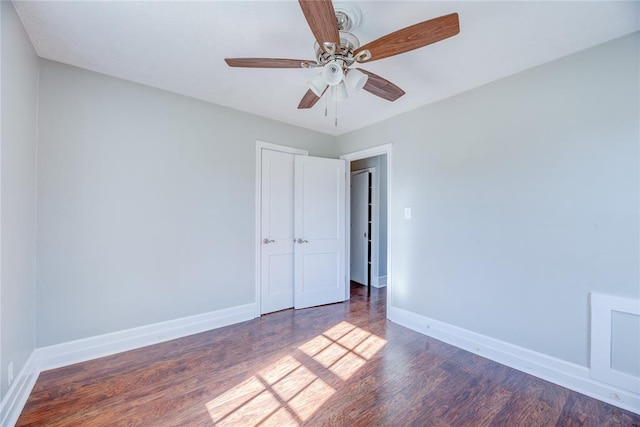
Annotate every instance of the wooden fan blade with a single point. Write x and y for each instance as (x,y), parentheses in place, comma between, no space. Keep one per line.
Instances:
(267,62)
(309,99)
(413,37)
(381,87)
(322,20)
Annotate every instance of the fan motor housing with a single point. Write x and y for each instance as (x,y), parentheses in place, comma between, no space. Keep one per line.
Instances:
(348,44)
(348,17)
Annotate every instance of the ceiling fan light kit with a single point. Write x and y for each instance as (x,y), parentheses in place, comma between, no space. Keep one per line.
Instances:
(355,80)
(337,50)
(318,85)
(332,73)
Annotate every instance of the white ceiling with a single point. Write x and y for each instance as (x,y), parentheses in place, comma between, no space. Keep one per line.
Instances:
(180,45)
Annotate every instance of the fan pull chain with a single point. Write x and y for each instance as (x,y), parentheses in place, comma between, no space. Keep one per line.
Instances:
(326,105)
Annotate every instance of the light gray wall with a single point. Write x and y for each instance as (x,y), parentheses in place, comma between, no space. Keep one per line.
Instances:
(146,203)
(525,198)
(17,195)
(380,163)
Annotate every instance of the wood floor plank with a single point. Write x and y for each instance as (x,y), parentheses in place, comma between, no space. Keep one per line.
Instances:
(341,364)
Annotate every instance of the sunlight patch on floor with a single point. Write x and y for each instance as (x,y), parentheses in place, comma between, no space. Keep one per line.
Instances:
(343,349)
(288,392)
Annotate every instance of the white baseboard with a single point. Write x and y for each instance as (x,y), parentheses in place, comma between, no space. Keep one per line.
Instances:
(71,352)
(557,371)
(18,393)
(59,355)
(379,282)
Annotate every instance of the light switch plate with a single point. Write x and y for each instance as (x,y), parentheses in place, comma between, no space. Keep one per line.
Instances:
(407,213)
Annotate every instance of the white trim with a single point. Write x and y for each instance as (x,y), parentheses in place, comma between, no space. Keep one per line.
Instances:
(557,371)
(275,147)
(17,395)
(260,145)
(369,152)
(71,352)
(602,308)
(363,154)
(379,281)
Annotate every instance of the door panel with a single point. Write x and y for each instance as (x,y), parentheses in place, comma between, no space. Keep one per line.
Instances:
(276,275)
(319,271)
(359,223)
(280,283)
(319,223)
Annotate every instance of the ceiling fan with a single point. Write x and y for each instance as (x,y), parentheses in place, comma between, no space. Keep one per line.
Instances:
(338,50)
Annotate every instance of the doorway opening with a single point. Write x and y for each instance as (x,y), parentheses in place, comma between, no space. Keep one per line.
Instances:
(368,196)
(362,224)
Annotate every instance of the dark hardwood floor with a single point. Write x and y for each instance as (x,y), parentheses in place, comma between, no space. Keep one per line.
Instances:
(341,364)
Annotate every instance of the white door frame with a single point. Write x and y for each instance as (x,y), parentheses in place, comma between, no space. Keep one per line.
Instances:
(260,145)
(364,154)
(375,226)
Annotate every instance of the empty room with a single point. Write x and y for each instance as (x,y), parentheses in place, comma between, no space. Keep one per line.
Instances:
(371,213)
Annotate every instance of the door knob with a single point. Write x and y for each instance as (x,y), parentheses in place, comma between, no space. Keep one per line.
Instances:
(267,241)
(302,241)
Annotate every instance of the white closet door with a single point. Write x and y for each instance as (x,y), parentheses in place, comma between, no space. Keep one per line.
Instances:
(319,224)
(276,261)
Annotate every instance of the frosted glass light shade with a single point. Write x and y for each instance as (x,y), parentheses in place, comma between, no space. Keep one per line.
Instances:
(356,80)
(339,92)
(332,73)
(317,85)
